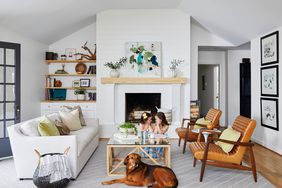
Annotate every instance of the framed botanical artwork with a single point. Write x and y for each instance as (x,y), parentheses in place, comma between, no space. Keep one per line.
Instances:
(269,47)
(145,59)
(84,82)
(70,53)
(269,113)
(269,77)
(76,83)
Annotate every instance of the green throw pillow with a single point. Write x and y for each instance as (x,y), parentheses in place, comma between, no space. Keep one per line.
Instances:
(201,121)
(47,128)
(231,135)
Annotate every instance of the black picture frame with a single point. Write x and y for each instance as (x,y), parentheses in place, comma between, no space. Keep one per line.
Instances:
(267,81)
(266,116)
(268,41)
(84,82)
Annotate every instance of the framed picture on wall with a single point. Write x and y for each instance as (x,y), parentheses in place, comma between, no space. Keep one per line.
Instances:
(269,113)
(269,48)
(269,77)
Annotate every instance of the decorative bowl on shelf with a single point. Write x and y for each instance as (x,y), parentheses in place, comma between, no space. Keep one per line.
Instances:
(80,68)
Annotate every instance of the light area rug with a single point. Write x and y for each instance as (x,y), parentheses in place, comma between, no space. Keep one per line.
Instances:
(95,172)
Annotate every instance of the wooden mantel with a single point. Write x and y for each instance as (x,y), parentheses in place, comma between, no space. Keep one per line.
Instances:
(139,80)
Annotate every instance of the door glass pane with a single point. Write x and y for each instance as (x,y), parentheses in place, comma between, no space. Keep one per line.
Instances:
(1,74)
(10,93)
(10,74)
(1,56)
(1,93)
(9,123)
(1,129)
(1,111)
(10,57)
(10,111)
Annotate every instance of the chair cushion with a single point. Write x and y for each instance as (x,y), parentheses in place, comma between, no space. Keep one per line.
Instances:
(47,128)
(84,137)
(231,135)
(201,121)
(71,119)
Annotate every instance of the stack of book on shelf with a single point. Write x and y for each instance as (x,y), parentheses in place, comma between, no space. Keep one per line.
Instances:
(92,69)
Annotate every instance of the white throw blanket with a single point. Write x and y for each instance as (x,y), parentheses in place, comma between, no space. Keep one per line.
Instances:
(56,165)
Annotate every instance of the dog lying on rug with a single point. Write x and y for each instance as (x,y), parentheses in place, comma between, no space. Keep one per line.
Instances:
(141,174)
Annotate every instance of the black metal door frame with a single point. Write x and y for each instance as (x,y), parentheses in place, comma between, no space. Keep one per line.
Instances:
(5,150)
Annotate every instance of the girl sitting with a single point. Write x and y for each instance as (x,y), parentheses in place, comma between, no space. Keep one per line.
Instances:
(161,127)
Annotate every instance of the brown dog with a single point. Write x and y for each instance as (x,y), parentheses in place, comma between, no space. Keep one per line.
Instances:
(141,174)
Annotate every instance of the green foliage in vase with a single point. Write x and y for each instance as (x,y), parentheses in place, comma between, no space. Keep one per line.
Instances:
(174,63)
(116,65)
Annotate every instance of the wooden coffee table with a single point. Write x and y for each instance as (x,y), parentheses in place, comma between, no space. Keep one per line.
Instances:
(117,150)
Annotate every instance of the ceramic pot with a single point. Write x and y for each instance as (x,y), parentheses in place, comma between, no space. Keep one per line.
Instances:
(80,97)
(173,73)
(124,130)
(114,73)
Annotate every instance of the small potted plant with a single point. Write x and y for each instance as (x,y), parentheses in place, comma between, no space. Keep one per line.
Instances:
(80,93)
(115,66)
(173,66)
(128,128)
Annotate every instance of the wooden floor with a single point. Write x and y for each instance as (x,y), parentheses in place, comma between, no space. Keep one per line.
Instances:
(269,164)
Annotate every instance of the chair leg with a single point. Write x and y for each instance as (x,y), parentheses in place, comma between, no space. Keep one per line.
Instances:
(184,146)
(204,161)
(203,170)
(195,162)
(179,141)
(253,163)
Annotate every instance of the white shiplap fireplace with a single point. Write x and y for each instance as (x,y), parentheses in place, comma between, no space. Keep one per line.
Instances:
(171,97)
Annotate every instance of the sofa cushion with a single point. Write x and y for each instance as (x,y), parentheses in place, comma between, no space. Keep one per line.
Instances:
(71,119)
(84,137)
(47,127)
(69,109)
(29,128)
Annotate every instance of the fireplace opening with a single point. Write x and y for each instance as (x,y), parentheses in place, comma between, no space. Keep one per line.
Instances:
(137,103)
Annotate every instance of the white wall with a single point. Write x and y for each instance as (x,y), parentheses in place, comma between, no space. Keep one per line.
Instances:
(201,37)
(116,27)
(233,69)
(76,40)
(33,71)
(265,136)
(217,58)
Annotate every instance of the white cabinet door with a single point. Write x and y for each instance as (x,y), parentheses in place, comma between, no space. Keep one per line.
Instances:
(88,109)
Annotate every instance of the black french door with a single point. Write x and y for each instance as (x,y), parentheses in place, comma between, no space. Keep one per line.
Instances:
(9,92)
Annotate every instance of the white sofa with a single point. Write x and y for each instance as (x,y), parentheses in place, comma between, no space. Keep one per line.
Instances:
(82,144)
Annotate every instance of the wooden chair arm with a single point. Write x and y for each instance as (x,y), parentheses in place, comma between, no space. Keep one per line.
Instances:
(245,144)
(183,122)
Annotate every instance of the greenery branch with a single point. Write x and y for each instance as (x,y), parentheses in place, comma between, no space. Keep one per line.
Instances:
(116,65)
(175,63)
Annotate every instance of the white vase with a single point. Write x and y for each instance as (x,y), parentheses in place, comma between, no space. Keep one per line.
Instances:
(114,73)
(172,73)
(80,97)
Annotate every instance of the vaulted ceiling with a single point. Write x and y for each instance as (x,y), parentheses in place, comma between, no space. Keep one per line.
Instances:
(47,21)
